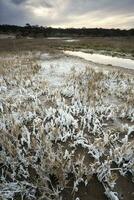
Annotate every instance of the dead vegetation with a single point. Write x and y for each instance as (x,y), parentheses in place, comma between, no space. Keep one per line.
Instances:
(48,150)
(117,46)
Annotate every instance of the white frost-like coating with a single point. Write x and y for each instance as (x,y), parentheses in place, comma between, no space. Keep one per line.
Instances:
(64,118)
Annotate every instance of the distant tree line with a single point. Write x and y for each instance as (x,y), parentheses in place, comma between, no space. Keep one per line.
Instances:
(40,31)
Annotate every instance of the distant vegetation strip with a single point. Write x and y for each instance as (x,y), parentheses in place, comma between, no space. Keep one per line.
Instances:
(40,31)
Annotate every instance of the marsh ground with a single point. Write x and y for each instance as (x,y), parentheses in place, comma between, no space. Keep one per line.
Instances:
(67,124)
(115,44)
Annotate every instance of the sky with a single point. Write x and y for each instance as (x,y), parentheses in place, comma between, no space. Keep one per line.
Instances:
(69,13)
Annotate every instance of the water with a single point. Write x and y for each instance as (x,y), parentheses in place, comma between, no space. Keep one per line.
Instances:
(103,59)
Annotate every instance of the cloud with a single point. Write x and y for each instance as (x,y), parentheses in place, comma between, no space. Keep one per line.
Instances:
(42,3)
(68,13)
(11,13)
(18,1)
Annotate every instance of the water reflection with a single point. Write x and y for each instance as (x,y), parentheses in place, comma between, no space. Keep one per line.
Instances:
(103,59)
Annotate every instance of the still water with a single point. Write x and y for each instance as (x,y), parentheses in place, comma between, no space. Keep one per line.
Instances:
(103,59)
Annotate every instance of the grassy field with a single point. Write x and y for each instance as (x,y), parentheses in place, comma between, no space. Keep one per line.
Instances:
(116,44)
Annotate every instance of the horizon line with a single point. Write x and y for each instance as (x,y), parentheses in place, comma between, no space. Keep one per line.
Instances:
(122,29)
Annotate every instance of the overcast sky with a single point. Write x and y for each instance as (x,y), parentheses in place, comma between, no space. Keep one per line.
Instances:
(69,13)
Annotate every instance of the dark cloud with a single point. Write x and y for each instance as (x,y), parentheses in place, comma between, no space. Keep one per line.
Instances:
(18,1)
(10,14)
(89,13)
(45,3)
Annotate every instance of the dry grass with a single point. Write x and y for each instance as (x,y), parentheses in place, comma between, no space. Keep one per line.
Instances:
(115,44)
(42,144)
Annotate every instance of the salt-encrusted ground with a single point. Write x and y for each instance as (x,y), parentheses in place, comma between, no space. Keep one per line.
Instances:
(67,130)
